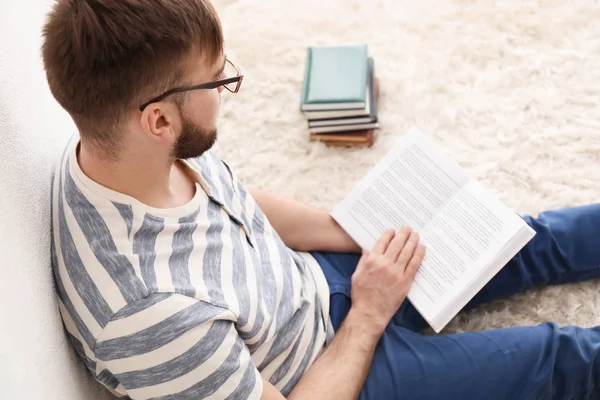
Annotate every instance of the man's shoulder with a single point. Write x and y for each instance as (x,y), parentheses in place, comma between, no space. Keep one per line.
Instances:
(208,160)
(216,171)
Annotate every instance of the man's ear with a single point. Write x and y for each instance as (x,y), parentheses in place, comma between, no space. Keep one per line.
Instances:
(158,120)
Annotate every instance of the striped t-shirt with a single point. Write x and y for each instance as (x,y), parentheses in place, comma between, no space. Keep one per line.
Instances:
(189,302)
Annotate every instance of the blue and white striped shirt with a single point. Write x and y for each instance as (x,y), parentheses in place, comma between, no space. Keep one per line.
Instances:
(183,303)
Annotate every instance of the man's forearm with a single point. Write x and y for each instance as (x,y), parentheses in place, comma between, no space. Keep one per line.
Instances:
(303,227)
(340,372)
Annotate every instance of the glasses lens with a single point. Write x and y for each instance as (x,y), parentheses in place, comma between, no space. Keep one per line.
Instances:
(230,72)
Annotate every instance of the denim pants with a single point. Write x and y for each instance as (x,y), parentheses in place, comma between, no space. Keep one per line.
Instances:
(533,362)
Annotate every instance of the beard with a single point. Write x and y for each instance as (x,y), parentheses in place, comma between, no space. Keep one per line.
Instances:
(193,141)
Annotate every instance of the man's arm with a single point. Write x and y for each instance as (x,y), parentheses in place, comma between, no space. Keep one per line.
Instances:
(379,285)
(303,227)
(176,347)
(341,370)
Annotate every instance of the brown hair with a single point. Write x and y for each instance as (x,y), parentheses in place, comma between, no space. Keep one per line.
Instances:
(103,57)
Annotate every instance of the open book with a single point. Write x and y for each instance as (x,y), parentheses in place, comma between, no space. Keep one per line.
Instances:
(468,232)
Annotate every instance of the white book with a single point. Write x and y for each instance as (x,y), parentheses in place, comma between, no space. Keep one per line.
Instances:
(468,232)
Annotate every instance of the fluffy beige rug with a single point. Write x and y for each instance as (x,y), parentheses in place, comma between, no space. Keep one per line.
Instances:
(511,88)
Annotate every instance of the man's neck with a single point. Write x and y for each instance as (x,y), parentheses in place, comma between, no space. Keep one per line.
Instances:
(159,182)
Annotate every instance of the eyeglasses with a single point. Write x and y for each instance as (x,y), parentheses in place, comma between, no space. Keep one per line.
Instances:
(231,83)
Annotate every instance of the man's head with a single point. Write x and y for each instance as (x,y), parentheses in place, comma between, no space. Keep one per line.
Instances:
(104,58)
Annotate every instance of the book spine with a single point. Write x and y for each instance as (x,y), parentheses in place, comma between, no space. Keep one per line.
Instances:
(305,84)
(348,144)
(362,138)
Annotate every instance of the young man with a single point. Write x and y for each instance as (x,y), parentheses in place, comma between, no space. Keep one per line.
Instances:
(175,282)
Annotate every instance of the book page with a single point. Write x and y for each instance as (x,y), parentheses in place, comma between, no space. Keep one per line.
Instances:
(510,249)
(461,241)
(410,186)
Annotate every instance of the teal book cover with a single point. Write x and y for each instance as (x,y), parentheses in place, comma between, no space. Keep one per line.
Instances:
(335,74)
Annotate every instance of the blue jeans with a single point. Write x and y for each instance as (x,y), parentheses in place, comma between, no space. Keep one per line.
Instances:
(534,362)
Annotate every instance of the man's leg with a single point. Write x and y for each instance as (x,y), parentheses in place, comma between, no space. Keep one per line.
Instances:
(533,363)
(338,269)
(565,249)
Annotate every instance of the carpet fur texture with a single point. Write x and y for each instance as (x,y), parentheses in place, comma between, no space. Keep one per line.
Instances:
(510,88)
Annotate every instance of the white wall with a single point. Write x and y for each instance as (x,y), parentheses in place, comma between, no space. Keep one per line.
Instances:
(35,360)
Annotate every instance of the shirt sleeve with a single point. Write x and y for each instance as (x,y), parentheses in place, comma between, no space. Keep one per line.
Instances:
(171,346)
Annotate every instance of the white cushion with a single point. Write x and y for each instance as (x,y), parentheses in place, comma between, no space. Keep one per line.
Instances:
(36,362)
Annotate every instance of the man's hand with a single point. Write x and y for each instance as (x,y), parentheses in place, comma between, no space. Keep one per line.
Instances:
(380,283)
(384,276)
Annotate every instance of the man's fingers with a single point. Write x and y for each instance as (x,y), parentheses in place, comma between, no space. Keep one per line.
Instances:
(408,250)
(415,262)
(364,255)
(397,244)
(383,242)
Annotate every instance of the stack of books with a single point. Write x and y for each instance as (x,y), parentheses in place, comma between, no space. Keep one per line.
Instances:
(339,95)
